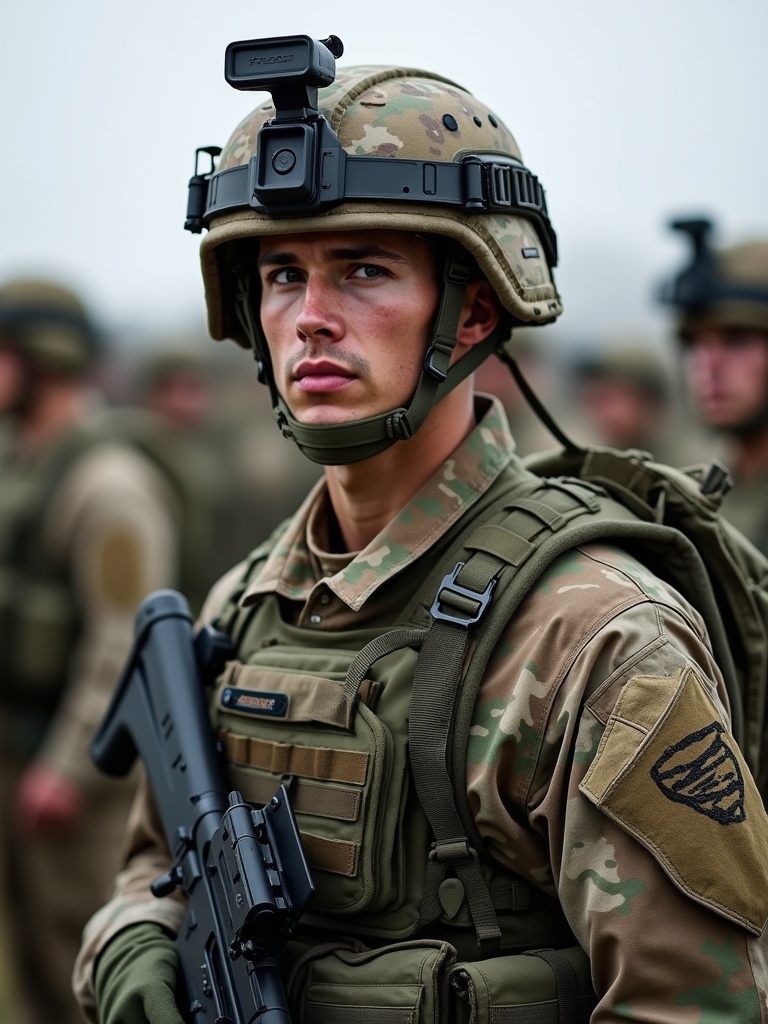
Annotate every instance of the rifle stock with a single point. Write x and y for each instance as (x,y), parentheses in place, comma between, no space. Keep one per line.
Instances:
(242,869)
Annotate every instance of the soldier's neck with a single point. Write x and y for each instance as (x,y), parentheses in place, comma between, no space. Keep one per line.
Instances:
(366,496)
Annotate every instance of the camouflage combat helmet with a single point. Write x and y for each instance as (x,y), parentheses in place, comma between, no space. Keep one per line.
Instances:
(370,147)
(721,288)
(48,324)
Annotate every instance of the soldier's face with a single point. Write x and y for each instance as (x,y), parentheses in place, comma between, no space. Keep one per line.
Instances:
(728,375)
(12,378)
(347,316)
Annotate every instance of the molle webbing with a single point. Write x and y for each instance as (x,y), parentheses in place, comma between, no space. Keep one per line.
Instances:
(286,759)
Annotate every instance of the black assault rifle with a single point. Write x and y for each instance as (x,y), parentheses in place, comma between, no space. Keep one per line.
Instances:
(243,870)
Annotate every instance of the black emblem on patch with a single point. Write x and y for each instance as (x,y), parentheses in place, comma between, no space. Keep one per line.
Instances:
(530,253)
(702,772)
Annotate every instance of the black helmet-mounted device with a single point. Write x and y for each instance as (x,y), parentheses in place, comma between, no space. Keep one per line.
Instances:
(301,168)
(693,286)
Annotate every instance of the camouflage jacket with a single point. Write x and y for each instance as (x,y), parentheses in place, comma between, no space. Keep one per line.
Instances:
(594,766)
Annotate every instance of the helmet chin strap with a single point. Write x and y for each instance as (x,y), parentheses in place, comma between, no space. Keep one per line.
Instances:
(338,444)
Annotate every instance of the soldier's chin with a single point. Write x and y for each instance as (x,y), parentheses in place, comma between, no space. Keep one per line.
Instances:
(720,416)
(326,415)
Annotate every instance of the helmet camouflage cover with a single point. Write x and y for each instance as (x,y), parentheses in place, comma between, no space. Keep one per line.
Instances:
(404,114)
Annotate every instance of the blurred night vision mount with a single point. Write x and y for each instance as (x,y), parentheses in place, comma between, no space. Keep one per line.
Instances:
(694,284)
(701,282)
(300,167)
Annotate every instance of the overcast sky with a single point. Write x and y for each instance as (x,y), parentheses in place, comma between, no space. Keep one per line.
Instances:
(629,111)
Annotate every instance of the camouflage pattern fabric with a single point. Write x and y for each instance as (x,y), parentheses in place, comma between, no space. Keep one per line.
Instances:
(405,114)
(599,757)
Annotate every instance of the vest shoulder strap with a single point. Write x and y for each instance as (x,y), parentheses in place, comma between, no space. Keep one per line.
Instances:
(501,562)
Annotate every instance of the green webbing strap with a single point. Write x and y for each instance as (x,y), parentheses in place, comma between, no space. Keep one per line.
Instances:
(435,688)
(227,619)
(377,648)
(566,984)
(460,603)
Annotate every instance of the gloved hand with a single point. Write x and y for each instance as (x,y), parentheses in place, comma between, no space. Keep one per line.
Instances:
(136,976)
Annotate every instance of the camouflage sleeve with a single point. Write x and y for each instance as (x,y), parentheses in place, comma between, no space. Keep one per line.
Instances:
(114,523)
(601,768)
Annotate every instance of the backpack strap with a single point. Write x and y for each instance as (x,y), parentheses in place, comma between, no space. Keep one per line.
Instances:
(461,602)
(473,605)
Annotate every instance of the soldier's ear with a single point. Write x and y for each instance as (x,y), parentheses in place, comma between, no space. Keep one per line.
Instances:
(480,313)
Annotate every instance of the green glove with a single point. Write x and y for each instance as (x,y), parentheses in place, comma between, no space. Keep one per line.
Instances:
(136,976)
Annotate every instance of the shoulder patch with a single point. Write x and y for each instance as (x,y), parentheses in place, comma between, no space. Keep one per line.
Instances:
(669,773)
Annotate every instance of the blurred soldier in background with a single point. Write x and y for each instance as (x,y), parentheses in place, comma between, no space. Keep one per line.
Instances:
(170,420)
(214,437)
(623,393)
(721,299)
(85,533)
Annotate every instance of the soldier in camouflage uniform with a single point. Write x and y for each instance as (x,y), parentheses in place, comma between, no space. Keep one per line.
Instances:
(598,826)
(722,325)
(85,532)
(625,396)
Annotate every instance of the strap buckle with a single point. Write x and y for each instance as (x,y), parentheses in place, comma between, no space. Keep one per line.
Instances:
(462,595)
(440,347)
(453,851)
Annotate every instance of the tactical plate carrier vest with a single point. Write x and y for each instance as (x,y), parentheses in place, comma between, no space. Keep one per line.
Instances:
(39,618)
(370,728)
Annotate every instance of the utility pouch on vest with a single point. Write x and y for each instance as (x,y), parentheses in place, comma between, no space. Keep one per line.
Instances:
(420,981)
(348,785)
(542,986)
(398,984)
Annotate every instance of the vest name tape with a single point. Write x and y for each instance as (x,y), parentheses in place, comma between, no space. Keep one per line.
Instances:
(269,705)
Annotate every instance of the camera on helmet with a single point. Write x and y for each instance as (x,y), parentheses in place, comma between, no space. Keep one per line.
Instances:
(292,69)
(299,166)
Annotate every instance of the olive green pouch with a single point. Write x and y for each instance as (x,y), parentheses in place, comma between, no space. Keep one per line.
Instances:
(348,785)
(404,983)
(541,986)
